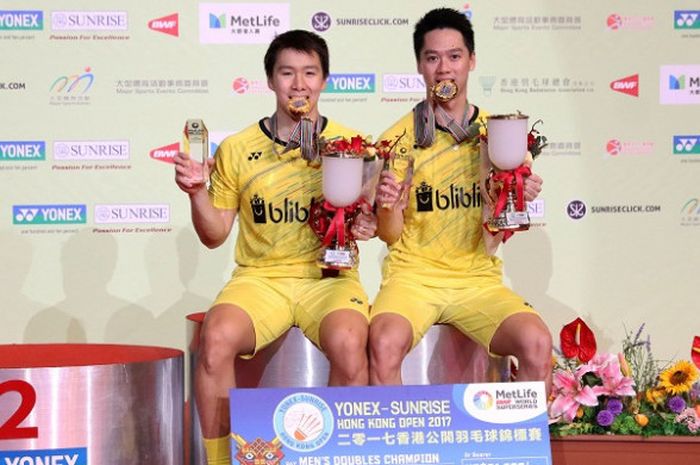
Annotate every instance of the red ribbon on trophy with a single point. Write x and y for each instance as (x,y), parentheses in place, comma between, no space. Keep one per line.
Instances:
(336,227)
(507,178)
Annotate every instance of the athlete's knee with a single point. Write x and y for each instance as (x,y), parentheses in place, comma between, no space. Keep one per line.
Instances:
(388,345)
(221,343)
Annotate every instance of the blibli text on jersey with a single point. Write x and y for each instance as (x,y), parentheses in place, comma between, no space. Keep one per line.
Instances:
(286,212)
(429,199)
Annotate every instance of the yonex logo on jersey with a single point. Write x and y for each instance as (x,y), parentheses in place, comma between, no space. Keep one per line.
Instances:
(454,197)
(254,156)
(289,212)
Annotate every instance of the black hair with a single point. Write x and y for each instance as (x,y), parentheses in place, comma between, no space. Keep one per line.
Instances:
(300,40)
(442,18)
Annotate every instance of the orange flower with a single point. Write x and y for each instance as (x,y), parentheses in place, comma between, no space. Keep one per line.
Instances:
(641,419)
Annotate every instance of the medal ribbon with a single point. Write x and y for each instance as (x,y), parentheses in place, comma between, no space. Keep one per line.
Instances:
(424,123)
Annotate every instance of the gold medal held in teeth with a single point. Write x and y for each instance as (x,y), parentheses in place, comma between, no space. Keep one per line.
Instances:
(445,91)
(298,105)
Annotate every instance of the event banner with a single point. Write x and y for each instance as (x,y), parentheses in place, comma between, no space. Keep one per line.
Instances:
(494,424)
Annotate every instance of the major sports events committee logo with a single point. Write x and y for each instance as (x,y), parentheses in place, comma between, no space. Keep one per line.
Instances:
(242,85)
(72,89)
(350,84)
(21,20)
(690,212)
(242,23)
(686,19)
(303,422)
(686,145)
(679,85)
(25,150)
(49,214)
(627,85)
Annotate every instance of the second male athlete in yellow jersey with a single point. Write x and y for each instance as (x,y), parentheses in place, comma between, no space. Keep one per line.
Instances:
(262,176)
(438,269)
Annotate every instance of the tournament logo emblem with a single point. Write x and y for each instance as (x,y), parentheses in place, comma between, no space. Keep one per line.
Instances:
(483,400)
(303,422)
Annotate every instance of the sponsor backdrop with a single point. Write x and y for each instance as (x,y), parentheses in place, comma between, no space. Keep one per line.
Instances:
(97,243)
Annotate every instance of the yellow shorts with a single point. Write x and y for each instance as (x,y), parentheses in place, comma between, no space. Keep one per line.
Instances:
(477,310)
(276,304)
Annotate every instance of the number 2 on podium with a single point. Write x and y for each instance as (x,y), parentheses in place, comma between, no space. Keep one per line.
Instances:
(11,429)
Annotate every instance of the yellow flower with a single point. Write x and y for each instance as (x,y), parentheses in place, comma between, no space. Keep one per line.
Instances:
(641,419)
(624,366)
(679,378)
(579,412)
(656,395)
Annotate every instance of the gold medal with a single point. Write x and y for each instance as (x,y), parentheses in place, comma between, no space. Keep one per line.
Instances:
(445,91)
(298,106)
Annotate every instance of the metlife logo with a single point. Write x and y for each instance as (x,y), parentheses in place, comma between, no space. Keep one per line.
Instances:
(77,150)
(679,85)
(350,84)
(21,20)
(26,150)
(132,213)
(242,23)
(49,214)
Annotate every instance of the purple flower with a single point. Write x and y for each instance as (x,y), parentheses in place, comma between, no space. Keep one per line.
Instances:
(695,392)
(676,404)
(614,406)
(605,418)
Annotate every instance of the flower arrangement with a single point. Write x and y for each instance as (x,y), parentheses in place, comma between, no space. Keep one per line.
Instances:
(356,145)
(627,393)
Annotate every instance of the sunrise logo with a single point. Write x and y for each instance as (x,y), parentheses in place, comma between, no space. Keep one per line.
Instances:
(68,84)
(217,22)
(483,400)
(676,82)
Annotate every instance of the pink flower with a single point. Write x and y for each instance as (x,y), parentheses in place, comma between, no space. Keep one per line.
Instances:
(607,368)
(690,418)
(569,394)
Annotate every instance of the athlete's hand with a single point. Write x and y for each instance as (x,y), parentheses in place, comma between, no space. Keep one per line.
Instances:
(365,225)
(191,175)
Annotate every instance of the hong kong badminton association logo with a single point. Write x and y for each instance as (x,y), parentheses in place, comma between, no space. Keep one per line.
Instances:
(303,422)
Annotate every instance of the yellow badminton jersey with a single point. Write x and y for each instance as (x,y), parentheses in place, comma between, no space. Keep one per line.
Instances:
(441,244)
(272,194)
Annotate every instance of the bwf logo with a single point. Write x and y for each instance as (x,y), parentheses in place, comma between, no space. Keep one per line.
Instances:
(627,85)
(686,19)
(49,214)
(686,145)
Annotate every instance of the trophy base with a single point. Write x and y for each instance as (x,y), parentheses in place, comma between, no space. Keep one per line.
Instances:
(509,221)
(340,258)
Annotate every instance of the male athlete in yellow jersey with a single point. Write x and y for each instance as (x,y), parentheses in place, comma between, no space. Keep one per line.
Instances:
(261,176)
(439,269)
